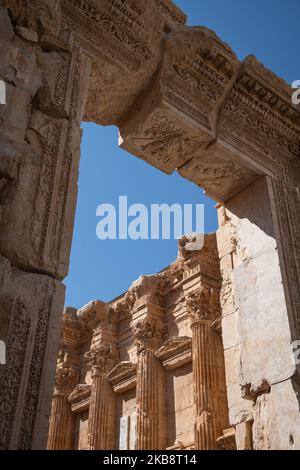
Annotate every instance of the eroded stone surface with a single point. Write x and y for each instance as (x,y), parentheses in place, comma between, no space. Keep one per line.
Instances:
(124,39)
(182,101)
(40,148)
(176,118)
(30,324)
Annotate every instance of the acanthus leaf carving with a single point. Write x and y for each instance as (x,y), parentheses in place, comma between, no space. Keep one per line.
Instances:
(203,304)
(102,358)
(148,334)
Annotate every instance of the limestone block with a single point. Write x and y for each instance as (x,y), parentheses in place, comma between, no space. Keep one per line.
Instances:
(65,83)
(175,118)
(27,34)
(227,440)
(258,291)
(8,58)
(226,236)
(39,209)
(218,172)
(227,297)
(43,16)
(232,365)
(6,29)
(270,430)
(31,306)
(239,408)
(255,320)
(230,330)
(163,139)
(243,435)
(15,114)
(125,40)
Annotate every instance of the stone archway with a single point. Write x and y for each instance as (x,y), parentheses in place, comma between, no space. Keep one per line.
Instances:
(181,100)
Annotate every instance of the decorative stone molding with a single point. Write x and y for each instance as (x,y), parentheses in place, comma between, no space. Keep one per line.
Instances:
(93,313)
(123,376)
(227,440)
(183,101)
(178,116)
(259,118)
(175,352)
(80,398)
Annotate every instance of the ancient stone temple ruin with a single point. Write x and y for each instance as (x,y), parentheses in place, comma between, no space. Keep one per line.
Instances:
(146,371)
(184,102)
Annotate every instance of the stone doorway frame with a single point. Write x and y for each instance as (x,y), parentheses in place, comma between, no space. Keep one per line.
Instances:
(182,100)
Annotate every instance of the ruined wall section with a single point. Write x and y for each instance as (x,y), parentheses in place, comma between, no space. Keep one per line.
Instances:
(46,80)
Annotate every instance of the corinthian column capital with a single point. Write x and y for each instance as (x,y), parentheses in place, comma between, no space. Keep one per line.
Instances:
(102,358)
(65,379)
(148,334)
(203,304)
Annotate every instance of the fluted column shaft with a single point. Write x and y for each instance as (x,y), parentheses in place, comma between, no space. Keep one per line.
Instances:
(205,385)
(150,402)
(101,426)
(60,435)
(61,424)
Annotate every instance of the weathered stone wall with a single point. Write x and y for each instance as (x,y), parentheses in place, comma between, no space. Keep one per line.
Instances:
(39,156)
(182,101)
(260,366)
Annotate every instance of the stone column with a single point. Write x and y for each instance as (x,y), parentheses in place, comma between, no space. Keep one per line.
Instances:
(150,391)
(204,370)
(61,421)
(101,427)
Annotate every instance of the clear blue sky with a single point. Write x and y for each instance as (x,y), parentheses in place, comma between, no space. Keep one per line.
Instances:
(269,29)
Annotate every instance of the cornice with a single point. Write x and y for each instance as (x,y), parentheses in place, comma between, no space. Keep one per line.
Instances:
(123,376)
(175,352)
